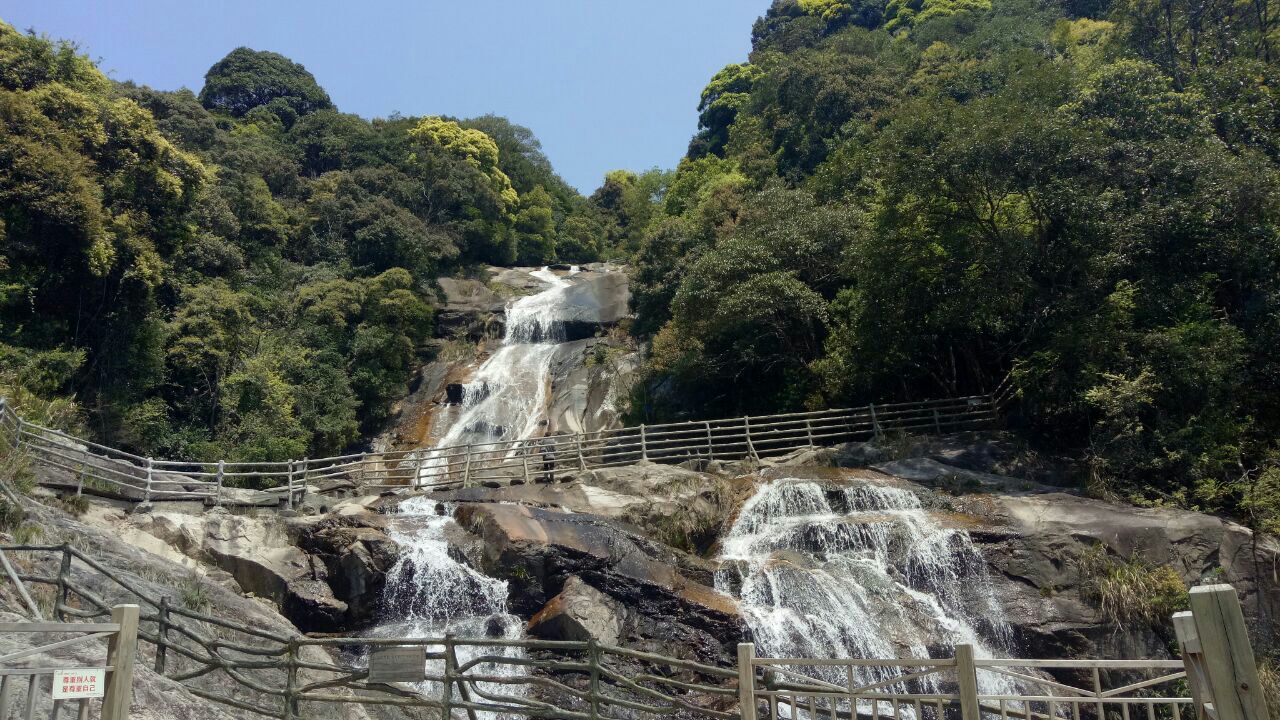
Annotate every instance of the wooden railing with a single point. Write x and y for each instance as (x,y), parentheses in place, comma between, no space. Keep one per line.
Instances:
(104,470)
(116,673)
(273,674)
(1216,678)
(289,676)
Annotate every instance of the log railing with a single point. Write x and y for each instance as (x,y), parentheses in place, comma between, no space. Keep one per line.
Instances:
(100,469)
(274,674)
(289,676)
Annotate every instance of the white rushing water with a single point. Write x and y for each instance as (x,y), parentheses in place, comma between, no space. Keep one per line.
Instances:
(507,397)
(826,570)
(430,593)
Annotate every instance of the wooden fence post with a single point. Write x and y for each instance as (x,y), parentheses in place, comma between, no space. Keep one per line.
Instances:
(875,424)
(306,474)
(146,496)
(711,453)
(808,431)
(751,448)
(451,666)
(582,460)
(162,634)
(1233,687)
(593,687)
(64,573)
(121,652)
(524,459)
(291,681)
(1184,626)
(446,687)
(466,469)
(937,424)
(288,491)
(967,679)
(217,498)
(746,681)
(644,449)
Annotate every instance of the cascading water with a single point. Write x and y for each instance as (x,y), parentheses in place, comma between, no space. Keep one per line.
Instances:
(507,397)
(428,592)
(828,570)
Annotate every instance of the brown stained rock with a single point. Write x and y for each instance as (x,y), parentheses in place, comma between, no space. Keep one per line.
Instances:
(579,612)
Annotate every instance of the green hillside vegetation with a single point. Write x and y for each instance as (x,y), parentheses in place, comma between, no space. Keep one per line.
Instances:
(899,200)
(247,272)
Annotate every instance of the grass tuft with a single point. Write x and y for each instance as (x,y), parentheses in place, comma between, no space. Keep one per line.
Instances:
(1130,591)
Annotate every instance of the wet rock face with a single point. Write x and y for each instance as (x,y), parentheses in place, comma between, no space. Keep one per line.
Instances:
(579,612)
(356,558)
(668,603)
(1033,535)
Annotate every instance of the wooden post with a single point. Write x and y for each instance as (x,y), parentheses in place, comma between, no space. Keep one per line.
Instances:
(291,681)
(446,691)
(644,449)
(288,491)
(711,453)
(746,681)
(808,430)
(593,686)
(967,679)
(162,634)
(875,424)
(64,572)
(306,473)
(937,425)
(582,460)
(751,448)
(217,498)
(466,468)
(1184,626)
(1233,687)
(121,652)
(524,459)
(146,497)
(451,660)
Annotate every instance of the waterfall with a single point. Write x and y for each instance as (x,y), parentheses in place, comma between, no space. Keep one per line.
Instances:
(827,570)
(429,594)
(508,395)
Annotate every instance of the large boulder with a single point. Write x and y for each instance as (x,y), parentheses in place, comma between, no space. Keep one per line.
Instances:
(667,593)
(579,612)
(264,560)
(357,555)
(673,505)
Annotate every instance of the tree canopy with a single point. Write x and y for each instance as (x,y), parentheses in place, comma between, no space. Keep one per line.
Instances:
(244,273)
(915,199)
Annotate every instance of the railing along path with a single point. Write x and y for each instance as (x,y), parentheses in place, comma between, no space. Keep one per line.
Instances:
(101,469)
(277,675)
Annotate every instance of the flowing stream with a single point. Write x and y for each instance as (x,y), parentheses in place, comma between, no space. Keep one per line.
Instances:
(429,593)
(833,570)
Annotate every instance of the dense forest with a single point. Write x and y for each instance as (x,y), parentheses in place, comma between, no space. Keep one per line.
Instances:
(888,200)
(915,198)
(245,272)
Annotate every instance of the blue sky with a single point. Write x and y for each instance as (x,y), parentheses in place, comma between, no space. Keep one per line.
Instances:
(603,84)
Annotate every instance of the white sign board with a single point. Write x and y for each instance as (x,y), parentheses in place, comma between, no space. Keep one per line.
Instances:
(401,664)
(79,683)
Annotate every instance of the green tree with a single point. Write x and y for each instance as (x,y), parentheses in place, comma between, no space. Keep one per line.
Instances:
(246,79)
